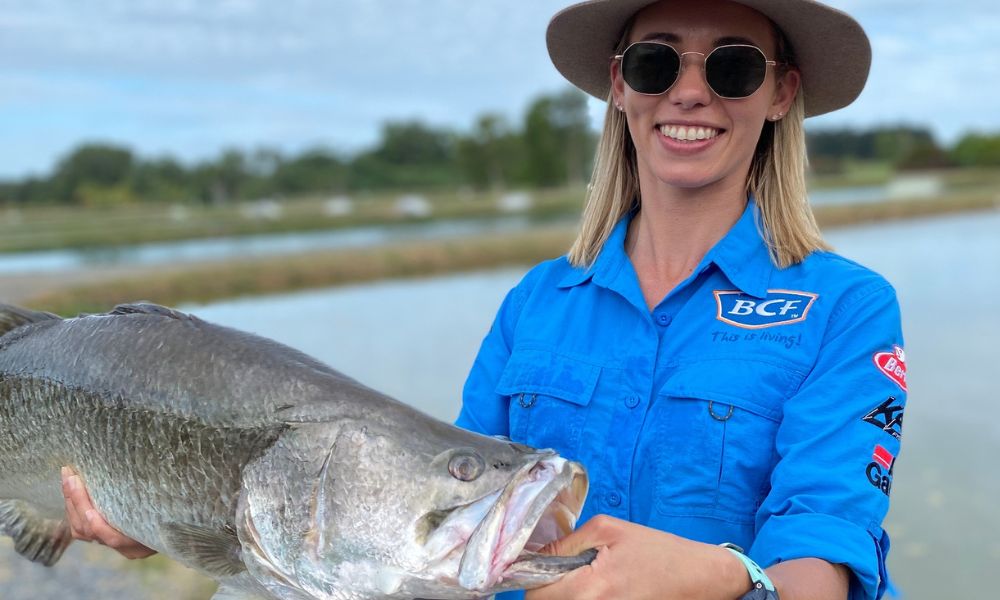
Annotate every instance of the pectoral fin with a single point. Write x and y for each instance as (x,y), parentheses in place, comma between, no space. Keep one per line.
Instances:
(36,538)
(215,551)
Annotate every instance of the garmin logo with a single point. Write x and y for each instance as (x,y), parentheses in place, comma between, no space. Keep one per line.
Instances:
(780,307)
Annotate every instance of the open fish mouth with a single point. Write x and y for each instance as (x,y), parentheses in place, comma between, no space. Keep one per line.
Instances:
(540,504)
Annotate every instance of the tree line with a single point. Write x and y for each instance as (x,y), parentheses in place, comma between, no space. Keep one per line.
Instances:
(552,145)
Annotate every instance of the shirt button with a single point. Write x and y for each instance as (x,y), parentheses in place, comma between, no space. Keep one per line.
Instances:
(631,401)
(664,319)
(614,499)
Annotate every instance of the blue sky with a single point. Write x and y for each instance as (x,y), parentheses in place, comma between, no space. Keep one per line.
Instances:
(190,77)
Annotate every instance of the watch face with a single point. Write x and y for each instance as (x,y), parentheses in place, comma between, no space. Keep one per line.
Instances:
(759,593)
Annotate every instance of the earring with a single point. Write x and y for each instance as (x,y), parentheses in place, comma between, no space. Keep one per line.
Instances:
(776,117)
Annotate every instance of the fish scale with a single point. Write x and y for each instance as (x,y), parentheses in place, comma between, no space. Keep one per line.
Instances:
(251,462)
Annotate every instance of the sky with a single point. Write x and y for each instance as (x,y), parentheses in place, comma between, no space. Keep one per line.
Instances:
(188,78)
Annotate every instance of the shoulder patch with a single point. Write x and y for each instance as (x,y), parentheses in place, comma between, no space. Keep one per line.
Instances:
(892,365)
(779,307)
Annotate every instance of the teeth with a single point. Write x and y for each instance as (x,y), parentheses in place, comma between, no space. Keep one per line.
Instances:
(688,134)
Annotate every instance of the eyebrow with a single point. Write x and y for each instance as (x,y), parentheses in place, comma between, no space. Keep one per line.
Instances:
(660,36)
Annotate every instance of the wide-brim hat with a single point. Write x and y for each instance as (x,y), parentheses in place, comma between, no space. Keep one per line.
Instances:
(830,47)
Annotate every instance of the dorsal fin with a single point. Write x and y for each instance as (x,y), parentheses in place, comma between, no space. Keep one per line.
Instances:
(12,317)
(148,308)
(36,538)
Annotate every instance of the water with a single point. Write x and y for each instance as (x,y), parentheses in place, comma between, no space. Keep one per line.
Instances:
(416,340)
(277,244)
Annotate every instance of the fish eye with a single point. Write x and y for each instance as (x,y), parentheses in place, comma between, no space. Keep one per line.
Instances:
(466,466)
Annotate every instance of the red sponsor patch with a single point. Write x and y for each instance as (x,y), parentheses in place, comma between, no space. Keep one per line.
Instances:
(883,456)
(892,365)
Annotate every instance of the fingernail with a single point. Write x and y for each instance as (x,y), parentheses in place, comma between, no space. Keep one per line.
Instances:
(91,515)
(72,482)
(65,472)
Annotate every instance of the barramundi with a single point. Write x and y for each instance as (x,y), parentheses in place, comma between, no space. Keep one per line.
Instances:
(263,468)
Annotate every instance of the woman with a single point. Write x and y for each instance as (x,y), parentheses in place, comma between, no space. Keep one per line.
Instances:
(723,376)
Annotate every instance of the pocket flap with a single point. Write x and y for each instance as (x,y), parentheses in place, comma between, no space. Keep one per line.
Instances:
(754,386)
(546,373)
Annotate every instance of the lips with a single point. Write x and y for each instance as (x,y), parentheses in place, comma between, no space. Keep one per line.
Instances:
(689,133)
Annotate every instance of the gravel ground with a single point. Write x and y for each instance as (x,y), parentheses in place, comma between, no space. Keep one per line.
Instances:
(90,572)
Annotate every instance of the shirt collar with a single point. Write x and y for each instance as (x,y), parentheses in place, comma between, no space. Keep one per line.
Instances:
(609,261)
(742,255)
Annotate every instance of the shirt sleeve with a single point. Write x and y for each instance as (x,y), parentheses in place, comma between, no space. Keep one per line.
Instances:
(837,445)
(483,410)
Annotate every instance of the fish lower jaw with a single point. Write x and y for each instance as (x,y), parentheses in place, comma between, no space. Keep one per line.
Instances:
(541,511)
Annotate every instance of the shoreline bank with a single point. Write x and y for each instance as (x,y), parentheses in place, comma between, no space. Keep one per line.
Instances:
(99,289)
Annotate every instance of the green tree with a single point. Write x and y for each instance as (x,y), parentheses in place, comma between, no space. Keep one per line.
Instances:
(977,150)
(101,165)
(313,171)
(162,180)
(558,144)
(489,155)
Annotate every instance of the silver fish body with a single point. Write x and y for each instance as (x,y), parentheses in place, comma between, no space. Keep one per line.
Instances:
(262,467)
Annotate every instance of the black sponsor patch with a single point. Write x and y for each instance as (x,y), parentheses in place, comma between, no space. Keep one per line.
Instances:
(888,417)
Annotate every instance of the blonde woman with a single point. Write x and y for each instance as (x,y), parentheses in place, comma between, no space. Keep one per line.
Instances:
(725,378)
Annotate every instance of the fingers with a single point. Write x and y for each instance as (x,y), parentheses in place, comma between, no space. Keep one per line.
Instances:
(88,525)
(78,502)
(595,533)
(566,587)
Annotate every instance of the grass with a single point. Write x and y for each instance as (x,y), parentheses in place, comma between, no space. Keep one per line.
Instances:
(216,281)
(61,227)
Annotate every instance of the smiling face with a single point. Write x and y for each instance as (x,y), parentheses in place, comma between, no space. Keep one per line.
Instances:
(662,126)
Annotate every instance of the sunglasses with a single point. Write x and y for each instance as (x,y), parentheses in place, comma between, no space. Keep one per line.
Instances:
(733,71)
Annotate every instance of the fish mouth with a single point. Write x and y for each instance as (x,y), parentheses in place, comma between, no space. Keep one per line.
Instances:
(539,505)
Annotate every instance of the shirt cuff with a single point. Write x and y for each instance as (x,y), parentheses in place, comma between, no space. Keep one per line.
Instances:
(814,535)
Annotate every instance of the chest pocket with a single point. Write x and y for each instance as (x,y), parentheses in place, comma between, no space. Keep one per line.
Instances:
(549,395)
(716,423)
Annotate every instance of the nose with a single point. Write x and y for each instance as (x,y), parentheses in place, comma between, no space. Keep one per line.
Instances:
(691,89)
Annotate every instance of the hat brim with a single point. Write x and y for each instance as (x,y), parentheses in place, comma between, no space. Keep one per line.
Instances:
(831,49)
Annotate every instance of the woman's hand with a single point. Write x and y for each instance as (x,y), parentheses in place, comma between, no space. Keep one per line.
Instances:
(88,525)
(640,563)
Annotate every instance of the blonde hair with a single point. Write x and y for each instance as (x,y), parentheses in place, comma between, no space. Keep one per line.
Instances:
(777,181)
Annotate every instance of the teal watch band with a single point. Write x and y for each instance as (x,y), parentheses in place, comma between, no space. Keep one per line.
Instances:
(758,577)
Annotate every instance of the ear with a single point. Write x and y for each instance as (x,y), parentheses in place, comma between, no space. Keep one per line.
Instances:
(617,83)
(784,92)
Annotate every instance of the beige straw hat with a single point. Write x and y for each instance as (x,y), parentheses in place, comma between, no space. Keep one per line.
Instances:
(830,48)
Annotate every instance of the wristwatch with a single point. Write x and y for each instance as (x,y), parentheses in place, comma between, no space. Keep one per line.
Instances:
(763,589)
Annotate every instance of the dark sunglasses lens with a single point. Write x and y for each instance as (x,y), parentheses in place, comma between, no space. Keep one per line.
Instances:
(735,71)
(650,68)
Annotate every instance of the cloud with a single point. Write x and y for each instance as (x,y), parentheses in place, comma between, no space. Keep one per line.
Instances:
(190,77)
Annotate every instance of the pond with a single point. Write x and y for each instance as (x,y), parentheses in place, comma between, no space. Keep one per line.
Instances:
(416,340)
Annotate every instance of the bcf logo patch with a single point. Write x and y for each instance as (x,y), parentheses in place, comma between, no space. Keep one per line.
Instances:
(780,307)
(892,365)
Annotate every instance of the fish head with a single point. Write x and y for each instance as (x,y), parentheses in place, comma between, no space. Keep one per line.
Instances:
(419,508)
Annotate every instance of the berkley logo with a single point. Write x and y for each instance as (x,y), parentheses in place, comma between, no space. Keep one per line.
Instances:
(780,307)
(892,365)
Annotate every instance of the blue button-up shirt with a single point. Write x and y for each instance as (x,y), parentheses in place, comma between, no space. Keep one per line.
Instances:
(753,405)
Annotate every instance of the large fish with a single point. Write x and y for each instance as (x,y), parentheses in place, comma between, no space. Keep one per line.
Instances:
(262,467)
